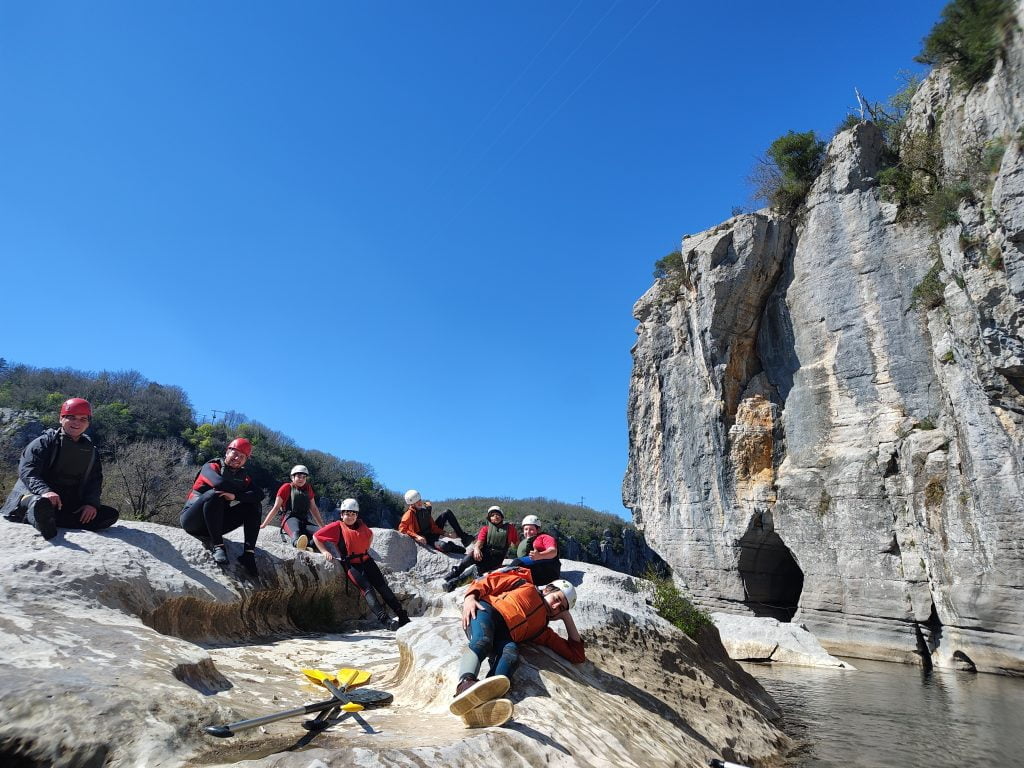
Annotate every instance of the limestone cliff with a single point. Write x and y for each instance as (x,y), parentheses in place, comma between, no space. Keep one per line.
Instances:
(810,439)
(116,649)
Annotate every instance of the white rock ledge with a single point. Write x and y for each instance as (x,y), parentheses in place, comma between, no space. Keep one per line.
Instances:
(748,638)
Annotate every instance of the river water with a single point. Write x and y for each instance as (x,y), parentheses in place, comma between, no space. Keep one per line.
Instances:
(898,715)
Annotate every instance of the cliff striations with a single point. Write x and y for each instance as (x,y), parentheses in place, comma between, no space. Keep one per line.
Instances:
(826,412)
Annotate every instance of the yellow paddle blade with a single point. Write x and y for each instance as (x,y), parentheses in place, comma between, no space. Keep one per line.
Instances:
(352,678)
(352,707)
(349,678)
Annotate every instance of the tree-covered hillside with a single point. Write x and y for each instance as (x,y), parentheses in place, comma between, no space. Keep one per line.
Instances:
(152,444)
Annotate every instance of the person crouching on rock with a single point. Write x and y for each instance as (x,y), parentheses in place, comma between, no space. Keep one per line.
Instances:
(419,523)
(223,498)
(296,501)
(501,611)
(59,478)
(348,541)
(539,552)
(488,550)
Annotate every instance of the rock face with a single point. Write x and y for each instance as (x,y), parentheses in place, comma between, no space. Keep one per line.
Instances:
(119,648)
(749,638)
(809,438)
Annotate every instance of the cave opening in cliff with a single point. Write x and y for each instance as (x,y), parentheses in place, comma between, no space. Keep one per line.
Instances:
(772,580)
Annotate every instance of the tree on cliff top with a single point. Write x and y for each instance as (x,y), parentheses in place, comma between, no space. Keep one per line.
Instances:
(970,37)
(784,175)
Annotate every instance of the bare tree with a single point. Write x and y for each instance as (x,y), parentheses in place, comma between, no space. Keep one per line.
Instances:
(149,479)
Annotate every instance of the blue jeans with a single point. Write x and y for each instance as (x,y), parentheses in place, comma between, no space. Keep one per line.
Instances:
(489,639)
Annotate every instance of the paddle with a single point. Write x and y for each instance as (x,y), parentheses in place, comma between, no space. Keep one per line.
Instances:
(354,676)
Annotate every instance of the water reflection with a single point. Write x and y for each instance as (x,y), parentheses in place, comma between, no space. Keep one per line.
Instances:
(896,714)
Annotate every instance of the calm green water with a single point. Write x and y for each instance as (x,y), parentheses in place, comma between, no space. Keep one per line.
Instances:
(898,715)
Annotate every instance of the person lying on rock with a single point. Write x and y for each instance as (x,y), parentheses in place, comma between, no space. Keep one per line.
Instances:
(295,501)
(348,541)
(538,551)
(223,498)
(488,550)
(419,523)
(60,479)
(501,611)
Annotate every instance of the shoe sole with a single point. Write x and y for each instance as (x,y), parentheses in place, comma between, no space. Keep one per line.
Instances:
(45,519)
(480,693)
(489,714)
(302,542)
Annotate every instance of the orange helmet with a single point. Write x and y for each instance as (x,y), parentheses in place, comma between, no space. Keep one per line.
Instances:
(76,406)
(241,445)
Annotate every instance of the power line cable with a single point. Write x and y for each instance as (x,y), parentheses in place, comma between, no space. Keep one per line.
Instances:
(508,90)
(558,108)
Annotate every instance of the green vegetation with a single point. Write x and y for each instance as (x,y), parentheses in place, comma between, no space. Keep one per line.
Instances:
(153,444)
(785,173)
(929,292)
(970,37)
(995,257)
(672,606)
(672,269)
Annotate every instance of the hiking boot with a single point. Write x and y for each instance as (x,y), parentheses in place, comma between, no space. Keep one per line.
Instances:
(248,561)
(450,585)
(489,714)
(452,573)
(403,619)
(220,555)
(392,624)
(474,694)
(42,516)
(302,542)
(465,682)
(466,539)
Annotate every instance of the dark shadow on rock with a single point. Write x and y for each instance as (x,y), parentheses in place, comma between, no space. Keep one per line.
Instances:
(166,552)
(533,733)
(529,683)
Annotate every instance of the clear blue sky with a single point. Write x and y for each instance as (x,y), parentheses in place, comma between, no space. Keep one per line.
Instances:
(407,233)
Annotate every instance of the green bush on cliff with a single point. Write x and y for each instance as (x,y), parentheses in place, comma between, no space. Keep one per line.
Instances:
(970,37)
(789,166)
(672,606)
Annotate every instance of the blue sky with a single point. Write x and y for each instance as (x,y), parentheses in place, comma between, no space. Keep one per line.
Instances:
(407,233)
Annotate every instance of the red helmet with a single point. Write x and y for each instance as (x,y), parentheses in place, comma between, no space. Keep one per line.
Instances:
(241,445)
(76,406)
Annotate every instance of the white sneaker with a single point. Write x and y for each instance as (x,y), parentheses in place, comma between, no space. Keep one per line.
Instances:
(489,714)
(478,693)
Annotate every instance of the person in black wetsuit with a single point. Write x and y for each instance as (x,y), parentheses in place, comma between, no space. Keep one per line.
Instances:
(223,498)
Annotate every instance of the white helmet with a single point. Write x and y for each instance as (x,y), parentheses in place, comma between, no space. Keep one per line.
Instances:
(349,505)
(495,508)
(299,469)
(412,496)
(566,589)
(532,520)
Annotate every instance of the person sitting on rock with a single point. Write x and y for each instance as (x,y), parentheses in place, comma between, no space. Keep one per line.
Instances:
(489,549)
(500,612)
(223,498)
(60,479)
(538,551)
(296,501)
(348,541)
(419,523)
